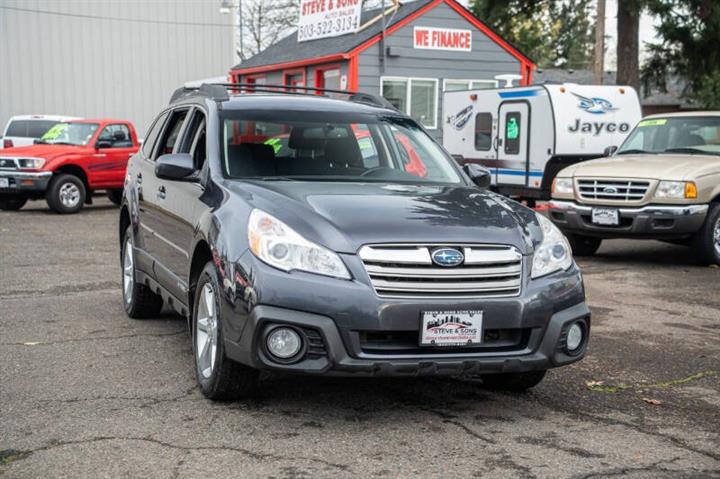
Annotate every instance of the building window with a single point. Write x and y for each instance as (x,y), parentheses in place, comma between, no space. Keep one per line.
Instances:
(455,85)
(483,131)
(418,97)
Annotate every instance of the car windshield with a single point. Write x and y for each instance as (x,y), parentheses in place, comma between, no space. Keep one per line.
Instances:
(70,133)
(680,134)
(375,150)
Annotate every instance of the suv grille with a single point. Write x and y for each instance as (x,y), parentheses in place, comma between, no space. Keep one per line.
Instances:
(407,271)
(619,190)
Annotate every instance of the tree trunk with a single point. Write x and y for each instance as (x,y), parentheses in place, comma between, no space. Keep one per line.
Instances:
(628,34)
(599,60)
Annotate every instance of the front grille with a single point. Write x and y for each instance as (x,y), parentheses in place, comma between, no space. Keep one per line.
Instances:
(618,190)
(406,342)
(8,164)
(407,271)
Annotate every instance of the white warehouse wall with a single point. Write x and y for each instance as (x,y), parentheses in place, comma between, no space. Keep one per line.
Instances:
(105,58)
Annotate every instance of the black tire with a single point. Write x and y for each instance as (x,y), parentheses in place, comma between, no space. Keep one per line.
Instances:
(583,245)
(13,204)
(139,301)
(55,196)
(226,379)
(115,195)
(516,382)
(705,243)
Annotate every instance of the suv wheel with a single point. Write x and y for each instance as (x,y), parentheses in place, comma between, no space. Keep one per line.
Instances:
(219,377)
(66,194)
(707,240)
(516,382)
(115,195)
(583,245)
(139,301)
(13,204)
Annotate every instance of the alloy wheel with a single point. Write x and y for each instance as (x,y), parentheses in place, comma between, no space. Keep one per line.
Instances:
(206,332)
(128,271)
(716,237)
(69,195)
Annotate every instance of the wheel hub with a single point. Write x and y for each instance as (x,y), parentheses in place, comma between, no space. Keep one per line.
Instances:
(128,272)
(206,332)
(716,237)
(69,195)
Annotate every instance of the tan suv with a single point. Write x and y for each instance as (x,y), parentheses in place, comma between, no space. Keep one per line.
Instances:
(662,183)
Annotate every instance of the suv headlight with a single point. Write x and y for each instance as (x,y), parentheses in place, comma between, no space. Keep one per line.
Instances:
(280,246)
(676,190)
(562,186)
(30,163)
(553,253)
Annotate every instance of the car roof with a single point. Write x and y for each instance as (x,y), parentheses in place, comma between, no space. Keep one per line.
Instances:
(681,114)
(316,103)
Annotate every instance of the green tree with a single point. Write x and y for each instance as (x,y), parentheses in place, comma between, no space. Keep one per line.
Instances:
(554,33)
(689,31)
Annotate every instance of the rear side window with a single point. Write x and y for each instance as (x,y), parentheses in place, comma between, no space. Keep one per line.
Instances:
(152,135)
(483,131)
(29,128)
(171,133)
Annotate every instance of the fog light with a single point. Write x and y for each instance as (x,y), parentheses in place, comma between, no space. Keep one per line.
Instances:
(574,337)
(284,343)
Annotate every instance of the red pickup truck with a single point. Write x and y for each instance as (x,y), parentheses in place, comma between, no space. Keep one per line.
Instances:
(67,164)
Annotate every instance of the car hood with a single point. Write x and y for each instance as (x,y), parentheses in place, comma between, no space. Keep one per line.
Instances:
(345,216)
(40,151)
(653,167)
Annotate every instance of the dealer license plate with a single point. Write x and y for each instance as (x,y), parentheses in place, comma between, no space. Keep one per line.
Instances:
(605,216)
(451,328)
(4,183)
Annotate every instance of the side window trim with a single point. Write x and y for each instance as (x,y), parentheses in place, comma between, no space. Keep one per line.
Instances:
(161,136)
(163,116)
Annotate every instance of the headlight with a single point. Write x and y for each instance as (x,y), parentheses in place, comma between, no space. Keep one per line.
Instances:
(278,245)
(676,190)
(30,163)
(562,186)
(553,253)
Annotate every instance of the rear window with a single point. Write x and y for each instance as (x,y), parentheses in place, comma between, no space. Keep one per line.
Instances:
(29,128)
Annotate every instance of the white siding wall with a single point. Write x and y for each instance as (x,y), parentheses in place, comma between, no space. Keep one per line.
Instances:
(104,67)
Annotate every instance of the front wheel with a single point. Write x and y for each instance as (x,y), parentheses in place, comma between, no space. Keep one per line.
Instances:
(707,241)
(516,382)
(139,301)
(115,195)
(12,204)
(66,194)
(583,245)
(219,377)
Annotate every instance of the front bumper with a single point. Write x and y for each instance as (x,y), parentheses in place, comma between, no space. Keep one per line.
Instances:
(353,332)
(24,183)
(651,221)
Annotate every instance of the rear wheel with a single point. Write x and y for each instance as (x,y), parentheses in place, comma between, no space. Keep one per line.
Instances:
(516,382)
(115,196)
(707,241)
(139,301)
(12,204)
(219,377)
(66,194)
(583,245)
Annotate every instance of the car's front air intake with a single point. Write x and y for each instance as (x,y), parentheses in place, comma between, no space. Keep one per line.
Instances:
(408,271)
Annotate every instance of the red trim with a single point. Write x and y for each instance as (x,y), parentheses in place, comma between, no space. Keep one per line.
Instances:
(353,73)
(321,69)
(291,72)
(295,64)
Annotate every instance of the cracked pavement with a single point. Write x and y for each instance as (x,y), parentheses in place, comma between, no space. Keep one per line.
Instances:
(87,392)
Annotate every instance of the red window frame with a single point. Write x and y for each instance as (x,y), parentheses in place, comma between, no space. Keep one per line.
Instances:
(320,74)
(295,71)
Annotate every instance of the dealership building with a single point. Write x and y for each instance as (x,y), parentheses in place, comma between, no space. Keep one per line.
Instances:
(428,46)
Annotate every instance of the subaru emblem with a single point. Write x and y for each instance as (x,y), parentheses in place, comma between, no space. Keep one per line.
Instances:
(447,257)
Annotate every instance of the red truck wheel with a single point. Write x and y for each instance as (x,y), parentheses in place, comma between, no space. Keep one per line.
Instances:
(66,194)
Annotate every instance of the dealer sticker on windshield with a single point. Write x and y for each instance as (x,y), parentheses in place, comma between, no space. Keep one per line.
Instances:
(451,328)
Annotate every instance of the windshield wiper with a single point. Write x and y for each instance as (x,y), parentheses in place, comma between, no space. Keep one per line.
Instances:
(689,150)
(269,178)
(633,152)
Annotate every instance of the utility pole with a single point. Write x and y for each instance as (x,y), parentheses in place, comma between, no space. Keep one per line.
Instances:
(599,61)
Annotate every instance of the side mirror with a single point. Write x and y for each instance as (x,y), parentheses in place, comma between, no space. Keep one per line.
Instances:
(480,175)
(609,150)
(103,144)
(176,167)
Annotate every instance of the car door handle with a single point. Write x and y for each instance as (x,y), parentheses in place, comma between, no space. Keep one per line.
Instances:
(161,193)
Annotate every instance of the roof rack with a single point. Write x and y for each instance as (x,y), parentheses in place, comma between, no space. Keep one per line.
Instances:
(219,92)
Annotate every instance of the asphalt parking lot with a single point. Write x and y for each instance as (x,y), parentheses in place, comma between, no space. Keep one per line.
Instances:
(87,392)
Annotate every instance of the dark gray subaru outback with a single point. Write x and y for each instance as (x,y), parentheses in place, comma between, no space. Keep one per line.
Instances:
(313,235)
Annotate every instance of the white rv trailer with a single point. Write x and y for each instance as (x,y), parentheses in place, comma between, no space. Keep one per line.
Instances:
(525,135)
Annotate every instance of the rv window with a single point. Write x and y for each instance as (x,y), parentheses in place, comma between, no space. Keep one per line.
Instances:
(483,131)
(512,133)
